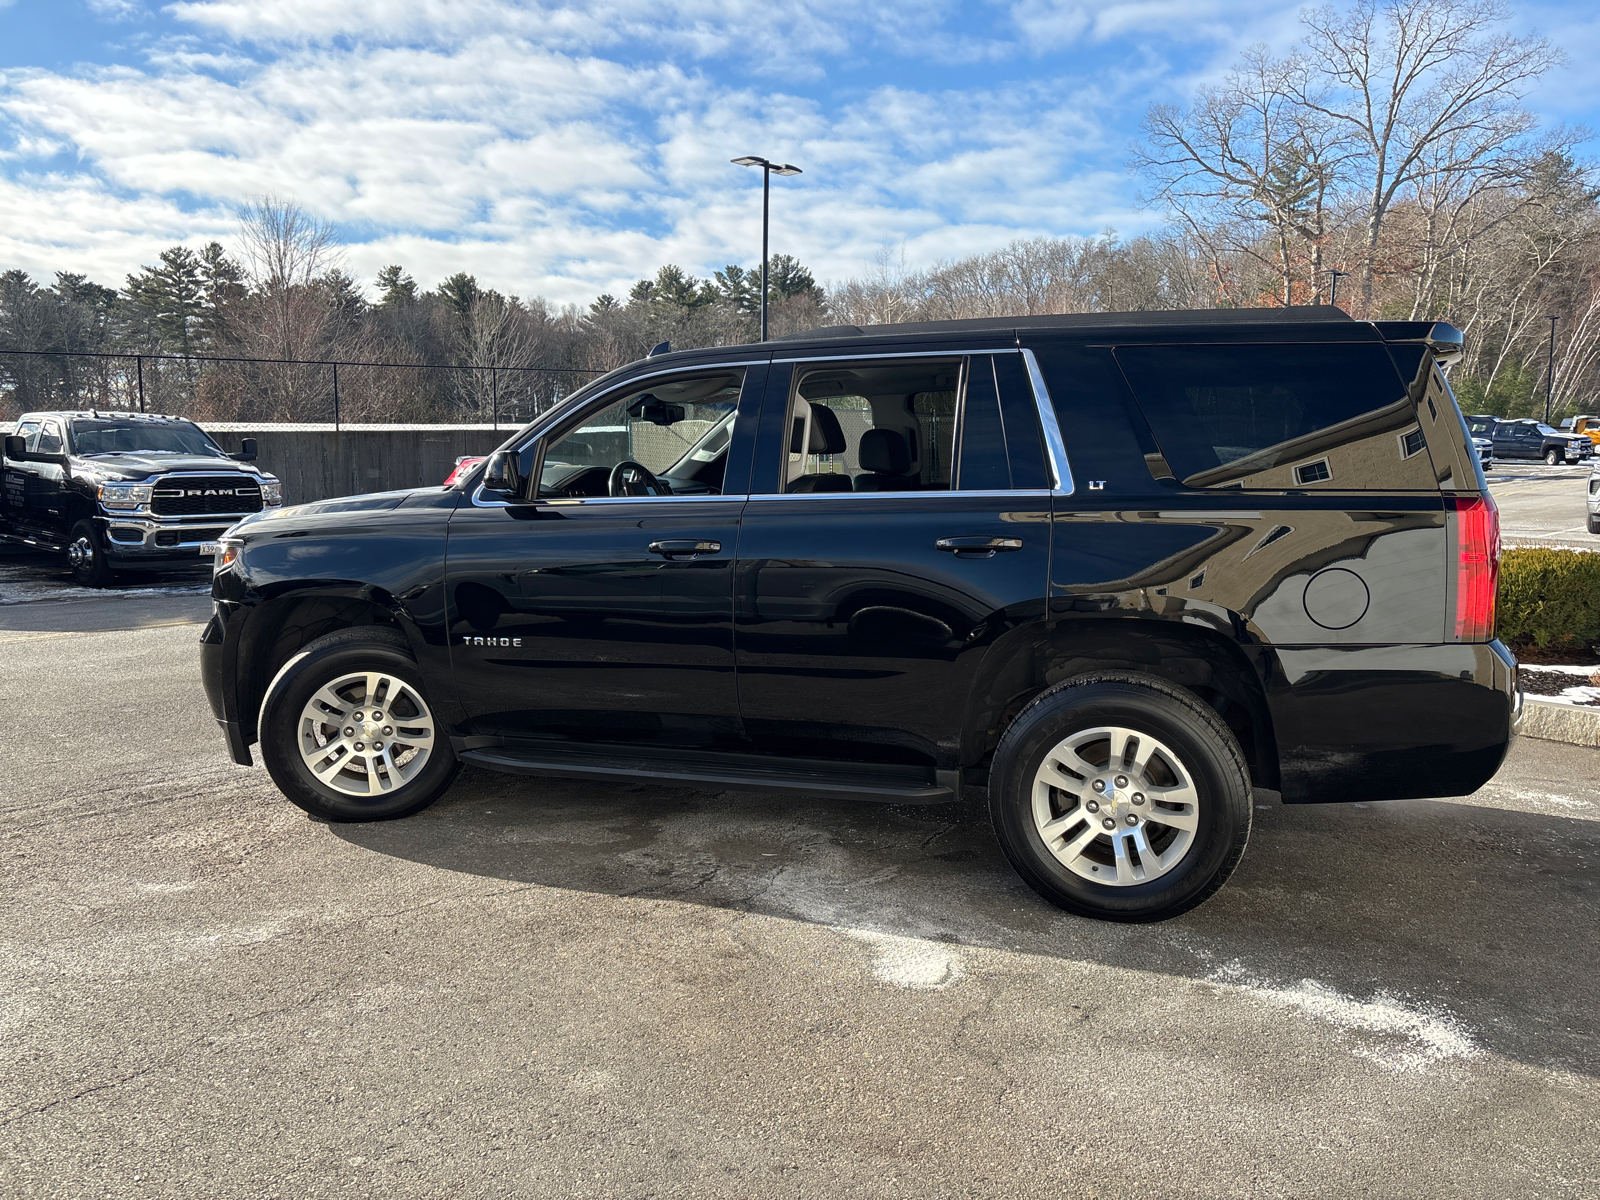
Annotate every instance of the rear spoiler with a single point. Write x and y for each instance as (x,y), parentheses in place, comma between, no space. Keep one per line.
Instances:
(1443,339)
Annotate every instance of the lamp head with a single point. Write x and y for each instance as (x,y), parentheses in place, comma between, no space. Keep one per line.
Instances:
(786,169)
(750,160)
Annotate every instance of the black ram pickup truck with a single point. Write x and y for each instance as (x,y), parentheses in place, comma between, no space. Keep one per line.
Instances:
(124,491)
(1117,569)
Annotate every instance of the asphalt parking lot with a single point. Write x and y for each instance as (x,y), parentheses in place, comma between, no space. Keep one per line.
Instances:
(542,988)
(554,989)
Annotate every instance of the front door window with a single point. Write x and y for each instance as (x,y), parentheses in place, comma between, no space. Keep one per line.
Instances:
(669,439)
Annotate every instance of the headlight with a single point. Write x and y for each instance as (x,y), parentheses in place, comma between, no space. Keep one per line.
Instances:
(271,491)
(125,495)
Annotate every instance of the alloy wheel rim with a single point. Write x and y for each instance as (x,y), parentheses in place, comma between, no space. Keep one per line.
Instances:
(1115,806)
(80,553)
(366,733)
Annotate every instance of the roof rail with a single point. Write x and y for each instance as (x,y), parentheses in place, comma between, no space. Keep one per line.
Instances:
(1154,317)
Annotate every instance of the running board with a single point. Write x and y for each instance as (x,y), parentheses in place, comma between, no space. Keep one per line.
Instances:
(856,781)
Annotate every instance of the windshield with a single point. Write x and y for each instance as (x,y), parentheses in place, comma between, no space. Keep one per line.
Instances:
(92,436)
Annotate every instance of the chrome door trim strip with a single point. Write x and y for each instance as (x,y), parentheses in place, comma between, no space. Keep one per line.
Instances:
(1059,467)
(1027,493)
(580,501)
(902,354)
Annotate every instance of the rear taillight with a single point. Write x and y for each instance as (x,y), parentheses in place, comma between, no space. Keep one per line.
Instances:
(1477,563)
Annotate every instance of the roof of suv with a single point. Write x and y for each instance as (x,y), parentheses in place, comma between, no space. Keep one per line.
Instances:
(1297,314)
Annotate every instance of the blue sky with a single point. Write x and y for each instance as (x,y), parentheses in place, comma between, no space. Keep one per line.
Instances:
(562,149)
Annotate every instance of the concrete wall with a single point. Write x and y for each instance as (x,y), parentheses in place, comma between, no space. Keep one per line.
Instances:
(316,463)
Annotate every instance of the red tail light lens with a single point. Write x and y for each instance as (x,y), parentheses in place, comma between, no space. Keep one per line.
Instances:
(1477,528)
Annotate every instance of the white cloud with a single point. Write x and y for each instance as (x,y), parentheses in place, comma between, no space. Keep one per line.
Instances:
(565,149)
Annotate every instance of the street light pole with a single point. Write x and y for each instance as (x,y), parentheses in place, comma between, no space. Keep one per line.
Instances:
(768,170)
(1333,285)
(1550,370)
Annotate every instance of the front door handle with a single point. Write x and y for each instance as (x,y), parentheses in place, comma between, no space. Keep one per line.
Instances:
(687,548)
(977,547)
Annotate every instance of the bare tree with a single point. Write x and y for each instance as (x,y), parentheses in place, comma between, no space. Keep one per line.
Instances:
(1252,154)
(1422,90)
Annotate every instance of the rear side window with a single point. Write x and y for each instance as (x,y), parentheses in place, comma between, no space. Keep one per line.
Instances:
(1331,417)
(50,439)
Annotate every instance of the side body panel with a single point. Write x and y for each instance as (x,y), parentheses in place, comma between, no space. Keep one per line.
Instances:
(857,636)
(337,561)
(1337,599)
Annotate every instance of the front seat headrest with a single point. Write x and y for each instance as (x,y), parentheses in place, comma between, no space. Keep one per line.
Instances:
(884,452)
(827,435)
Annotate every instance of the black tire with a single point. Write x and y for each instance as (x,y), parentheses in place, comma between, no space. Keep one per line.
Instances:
(1594,523)
(1146,706)
(324,662)
(1554,458)
(86,555)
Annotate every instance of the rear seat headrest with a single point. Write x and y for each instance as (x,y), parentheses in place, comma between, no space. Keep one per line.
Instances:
(827,435)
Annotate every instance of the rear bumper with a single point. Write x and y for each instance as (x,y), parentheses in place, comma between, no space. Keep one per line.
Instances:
(1392,722)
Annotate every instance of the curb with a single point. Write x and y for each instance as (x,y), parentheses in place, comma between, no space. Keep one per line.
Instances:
(1560,723)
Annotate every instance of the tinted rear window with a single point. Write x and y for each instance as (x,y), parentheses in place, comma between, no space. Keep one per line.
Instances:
(1280,416)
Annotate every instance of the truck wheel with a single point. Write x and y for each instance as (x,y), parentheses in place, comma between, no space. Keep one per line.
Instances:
(347,732)
(86,555)
(1122,797)
(1554,457)
(1594,523)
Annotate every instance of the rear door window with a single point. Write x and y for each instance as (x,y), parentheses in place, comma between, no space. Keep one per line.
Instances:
(1330,417)
(872,428)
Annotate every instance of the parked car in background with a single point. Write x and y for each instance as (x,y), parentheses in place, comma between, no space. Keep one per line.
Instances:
(1484,448)
(117,491)
(464,467)
(1588,427)
(1536,440)
(1481,425)
(1594,498)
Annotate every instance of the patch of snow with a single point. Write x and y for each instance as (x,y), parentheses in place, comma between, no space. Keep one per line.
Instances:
(910,962)
(1403,1037)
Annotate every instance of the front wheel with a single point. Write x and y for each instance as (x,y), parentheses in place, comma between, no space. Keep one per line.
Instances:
(1121,797)
(1554,458)
(1594,523)
(86,555)
(347,732)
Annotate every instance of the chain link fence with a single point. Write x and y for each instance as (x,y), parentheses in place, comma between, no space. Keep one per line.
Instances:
(254,391)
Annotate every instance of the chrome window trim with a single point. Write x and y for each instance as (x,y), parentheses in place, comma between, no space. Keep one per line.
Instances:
(1060,468)
(944,493)
(905,354)
(580,501)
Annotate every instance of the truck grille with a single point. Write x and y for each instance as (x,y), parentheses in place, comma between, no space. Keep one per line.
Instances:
(192,495)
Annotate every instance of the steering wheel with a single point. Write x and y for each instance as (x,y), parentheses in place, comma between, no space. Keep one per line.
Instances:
(629,478)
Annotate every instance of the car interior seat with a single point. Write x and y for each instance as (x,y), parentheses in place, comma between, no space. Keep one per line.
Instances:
(818,429)
(885,454)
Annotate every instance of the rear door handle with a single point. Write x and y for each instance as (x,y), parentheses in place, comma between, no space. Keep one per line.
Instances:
(977,547)
(685,549)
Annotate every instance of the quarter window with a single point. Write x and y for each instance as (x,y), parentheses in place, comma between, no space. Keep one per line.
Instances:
(1255,416)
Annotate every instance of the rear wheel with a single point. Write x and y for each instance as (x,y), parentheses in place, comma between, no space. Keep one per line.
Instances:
(347,731)
(86,555)
(1121,797)
(1594,523)
(1554,457)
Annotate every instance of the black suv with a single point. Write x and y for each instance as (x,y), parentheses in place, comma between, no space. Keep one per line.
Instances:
(124,490)
(1120,569)
(1534,440)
